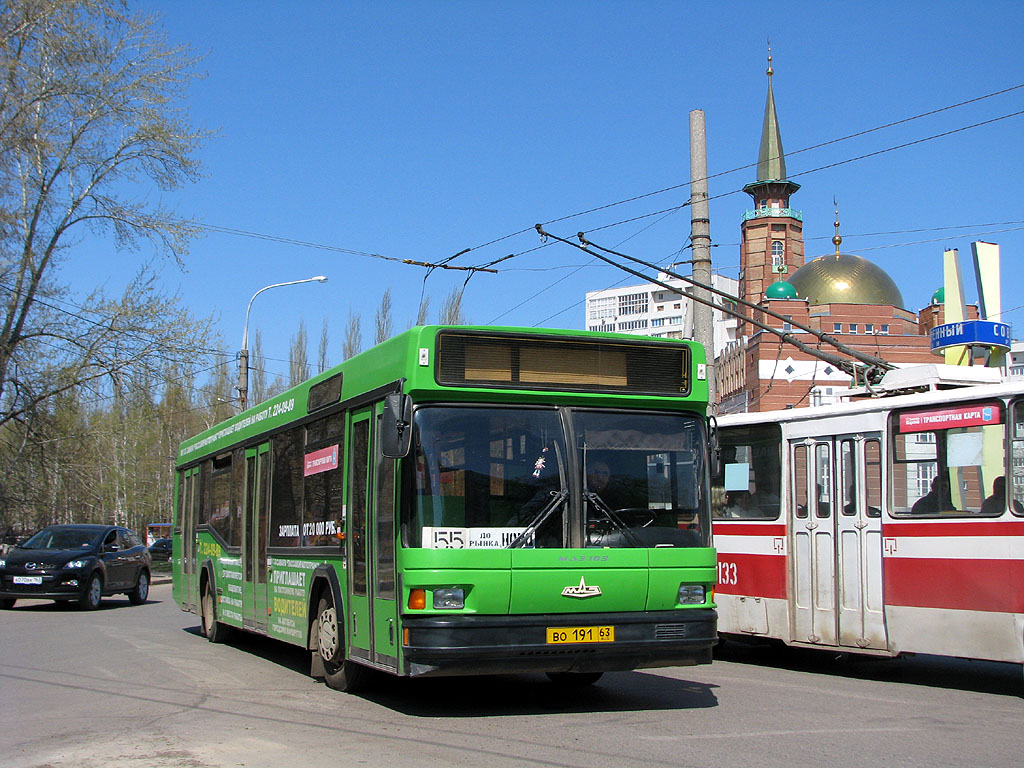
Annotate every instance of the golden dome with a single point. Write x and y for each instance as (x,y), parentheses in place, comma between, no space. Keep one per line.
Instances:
(845,279)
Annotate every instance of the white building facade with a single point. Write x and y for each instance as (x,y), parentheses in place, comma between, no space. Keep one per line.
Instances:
(652,310)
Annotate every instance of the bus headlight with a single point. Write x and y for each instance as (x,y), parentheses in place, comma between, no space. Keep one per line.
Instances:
(450,599)
(692,594)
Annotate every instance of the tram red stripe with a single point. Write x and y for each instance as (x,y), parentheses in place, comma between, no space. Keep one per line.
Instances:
(726,528)
(759,575)
(957,528)
(974,585)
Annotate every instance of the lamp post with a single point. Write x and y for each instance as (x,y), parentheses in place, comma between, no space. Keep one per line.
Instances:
(243,355)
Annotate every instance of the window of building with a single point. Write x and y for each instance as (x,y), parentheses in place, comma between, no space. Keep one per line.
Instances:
(677,320)
(657,322)
(633,304)
(869,327)
(778,253)
(603,306)
(632,325)
(837,327)
(883,328)
(853,328)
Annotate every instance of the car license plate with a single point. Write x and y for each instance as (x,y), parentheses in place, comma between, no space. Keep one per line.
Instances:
(560,635)
(28,579)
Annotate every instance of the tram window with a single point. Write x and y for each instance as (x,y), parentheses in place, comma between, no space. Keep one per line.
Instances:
(800,480)
(750,478)
(873,477)
(823,487)
(848,477)
(1016,486)
(945,460)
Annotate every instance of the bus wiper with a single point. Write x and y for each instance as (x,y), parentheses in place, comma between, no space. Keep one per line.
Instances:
(557,499)
(603,508)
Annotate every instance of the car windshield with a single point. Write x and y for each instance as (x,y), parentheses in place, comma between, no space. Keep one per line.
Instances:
(62,538)
(506,478)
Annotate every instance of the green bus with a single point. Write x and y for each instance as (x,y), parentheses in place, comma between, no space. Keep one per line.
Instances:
(463,500)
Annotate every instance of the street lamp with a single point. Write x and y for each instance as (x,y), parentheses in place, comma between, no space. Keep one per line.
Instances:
(243,355)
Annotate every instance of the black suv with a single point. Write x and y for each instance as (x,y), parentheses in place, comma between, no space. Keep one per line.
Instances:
(76,562)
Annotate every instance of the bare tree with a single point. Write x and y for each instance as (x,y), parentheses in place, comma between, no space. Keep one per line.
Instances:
(451,309)
(353,343)
(383,322)
(421,314)
(322,360)
(257,369)
(88,113)
(298,361)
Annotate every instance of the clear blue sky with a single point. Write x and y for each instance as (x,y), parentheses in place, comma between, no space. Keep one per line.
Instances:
(419,129)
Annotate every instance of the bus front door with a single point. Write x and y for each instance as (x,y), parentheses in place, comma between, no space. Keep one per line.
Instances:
(835,521)
(371,611)
(254,557)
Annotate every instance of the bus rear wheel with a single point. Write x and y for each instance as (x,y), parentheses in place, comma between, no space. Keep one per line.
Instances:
(214,631)
(339,673)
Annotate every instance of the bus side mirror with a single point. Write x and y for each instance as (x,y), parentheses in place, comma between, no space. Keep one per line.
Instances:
(714,450)
(396,426)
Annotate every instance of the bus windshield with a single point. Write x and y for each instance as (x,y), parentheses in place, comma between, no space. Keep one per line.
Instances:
(487,477)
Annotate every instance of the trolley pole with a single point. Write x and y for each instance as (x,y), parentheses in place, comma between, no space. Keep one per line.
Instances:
(700,242)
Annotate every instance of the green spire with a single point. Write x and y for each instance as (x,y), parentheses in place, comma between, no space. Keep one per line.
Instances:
(771,162)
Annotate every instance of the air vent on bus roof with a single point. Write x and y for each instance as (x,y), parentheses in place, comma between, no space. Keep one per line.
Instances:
(476,359)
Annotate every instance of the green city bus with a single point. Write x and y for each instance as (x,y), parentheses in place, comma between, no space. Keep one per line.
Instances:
(463,500)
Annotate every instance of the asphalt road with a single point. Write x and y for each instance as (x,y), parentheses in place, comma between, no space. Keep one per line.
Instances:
(128,687)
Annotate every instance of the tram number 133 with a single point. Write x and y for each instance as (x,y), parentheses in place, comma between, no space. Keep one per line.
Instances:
(726,573)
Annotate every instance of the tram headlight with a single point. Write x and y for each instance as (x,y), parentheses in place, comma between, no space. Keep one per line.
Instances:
(692,594)
(450,599)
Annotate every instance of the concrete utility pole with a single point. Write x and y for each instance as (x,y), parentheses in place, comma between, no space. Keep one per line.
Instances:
(700,241)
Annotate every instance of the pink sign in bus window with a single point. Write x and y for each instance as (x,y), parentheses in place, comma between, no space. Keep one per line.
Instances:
(323,460)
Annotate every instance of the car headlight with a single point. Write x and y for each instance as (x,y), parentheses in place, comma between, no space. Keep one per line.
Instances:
(75,564)
(3,563)
(692,594)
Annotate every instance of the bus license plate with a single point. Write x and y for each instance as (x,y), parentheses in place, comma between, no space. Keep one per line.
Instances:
(28,579)
(560,635)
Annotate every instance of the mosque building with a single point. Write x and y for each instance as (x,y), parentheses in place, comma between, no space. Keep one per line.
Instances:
(840,294)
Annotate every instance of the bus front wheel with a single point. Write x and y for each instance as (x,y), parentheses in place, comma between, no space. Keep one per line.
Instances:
(339,673)
(215,631)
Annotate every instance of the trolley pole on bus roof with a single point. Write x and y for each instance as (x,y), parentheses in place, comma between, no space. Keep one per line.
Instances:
(700,242)
(243,355)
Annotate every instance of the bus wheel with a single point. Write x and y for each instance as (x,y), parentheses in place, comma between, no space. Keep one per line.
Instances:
(574,679)
(215,631)
(339,673)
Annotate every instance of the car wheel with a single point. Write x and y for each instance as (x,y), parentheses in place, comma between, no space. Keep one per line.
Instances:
(138,595)
(339,673)
(574,679)
(90,599)
(7,602)
(215,631)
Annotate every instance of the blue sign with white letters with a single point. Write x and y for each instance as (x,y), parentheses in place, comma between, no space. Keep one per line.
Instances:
(984,333)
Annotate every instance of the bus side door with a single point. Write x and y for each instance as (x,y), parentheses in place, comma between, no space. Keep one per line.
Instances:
(254,555)
(188,507)
(371,611)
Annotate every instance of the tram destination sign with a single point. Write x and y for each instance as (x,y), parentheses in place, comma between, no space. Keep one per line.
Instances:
(982,333)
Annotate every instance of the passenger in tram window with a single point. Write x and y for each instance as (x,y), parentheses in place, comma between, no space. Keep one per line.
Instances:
(740,504)
(932,503)
(996,503)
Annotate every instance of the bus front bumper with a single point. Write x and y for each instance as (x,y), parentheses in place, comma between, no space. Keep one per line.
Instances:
(480,645)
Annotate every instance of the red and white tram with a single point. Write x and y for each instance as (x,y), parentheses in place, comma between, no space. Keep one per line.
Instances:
(877,525)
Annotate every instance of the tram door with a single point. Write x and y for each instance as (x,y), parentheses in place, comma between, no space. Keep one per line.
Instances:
(254,560)
(372,611)
(836,520)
